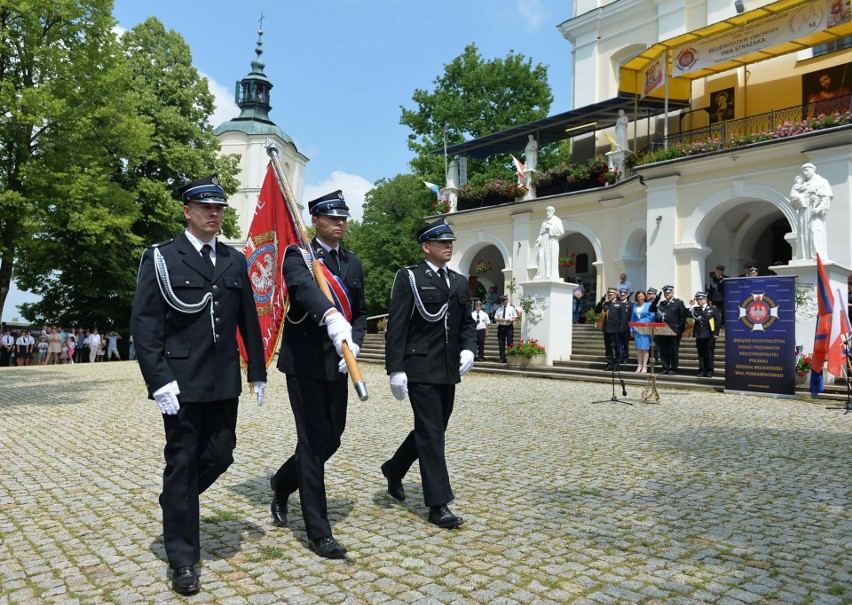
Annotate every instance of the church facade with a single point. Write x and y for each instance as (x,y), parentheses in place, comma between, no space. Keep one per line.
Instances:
(672,221)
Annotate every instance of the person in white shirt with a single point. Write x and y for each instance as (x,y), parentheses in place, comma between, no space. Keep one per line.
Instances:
(504,317)
(21,343)
(94,345)
(482,322)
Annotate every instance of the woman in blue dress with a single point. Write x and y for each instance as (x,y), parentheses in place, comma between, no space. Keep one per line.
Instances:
(641,313)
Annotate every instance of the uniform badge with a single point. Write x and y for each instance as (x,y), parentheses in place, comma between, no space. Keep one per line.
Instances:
(262,265)
(758,312)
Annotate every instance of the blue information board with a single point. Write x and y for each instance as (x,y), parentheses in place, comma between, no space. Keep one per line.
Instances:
(760,335)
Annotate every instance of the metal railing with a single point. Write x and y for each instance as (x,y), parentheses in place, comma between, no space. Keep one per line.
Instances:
(730,130)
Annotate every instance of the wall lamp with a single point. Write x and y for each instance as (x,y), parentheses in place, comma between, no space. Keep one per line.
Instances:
(738,4)
(659,219)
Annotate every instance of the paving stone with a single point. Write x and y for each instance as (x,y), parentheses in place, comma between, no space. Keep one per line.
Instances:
(707,497)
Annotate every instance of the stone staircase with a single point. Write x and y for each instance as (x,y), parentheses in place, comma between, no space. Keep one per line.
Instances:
(588,363)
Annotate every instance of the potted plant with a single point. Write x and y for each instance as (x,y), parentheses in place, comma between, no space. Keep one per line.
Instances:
(594,318)
(804,363)
(441,206)
(526,353)
(380,325)
(482,266)
(568,261)
(687,329)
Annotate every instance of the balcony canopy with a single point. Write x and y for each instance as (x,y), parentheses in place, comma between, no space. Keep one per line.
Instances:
(561,126)
(773,30)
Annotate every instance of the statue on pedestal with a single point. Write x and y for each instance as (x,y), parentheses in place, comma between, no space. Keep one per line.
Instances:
(548,246)
(531,154)
(811,197)
(621,131)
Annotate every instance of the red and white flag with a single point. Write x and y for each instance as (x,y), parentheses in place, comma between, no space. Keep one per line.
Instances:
(519,167)
(272,230)
(838,335)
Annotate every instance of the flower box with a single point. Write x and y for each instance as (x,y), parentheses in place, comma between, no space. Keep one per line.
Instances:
(519,361)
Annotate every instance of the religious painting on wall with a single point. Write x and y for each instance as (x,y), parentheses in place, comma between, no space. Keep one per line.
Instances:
(722,105)
(826,91)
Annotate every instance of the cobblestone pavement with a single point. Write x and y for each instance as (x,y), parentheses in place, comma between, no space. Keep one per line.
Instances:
(704,498)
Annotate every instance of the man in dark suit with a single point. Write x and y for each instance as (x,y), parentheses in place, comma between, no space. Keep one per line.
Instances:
(192,294)
(429,345)
(616,313)
(705,331)
(672,312)
(310,356)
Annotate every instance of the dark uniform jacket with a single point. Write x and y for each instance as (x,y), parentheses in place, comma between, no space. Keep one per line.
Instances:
(171,345)
(702,328)
(672,313)
(616,315)
(306,349)
(425,351)
(717,289)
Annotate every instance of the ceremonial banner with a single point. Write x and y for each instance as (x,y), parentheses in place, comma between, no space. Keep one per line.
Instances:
(272,230)
(760,335)
(760,34)
(655,74)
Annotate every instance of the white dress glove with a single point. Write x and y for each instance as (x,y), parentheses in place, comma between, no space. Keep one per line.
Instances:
(341,367)
(259,390)
(465,362)
(399,385)
(339,330)
(167,398)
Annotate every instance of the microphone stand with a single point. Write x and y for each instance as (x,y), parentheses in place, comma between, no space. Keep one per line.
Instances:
(615,346)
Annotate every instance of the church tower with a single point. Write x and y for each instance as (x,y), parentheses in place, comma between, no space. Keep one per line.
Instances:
(246,136)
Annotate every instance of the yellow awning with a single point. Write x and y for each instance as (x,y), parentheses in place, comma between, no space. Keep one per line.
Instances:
(632,73)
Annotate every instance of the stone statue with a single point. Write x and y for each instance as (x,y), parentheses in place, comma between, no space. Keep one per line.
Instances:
(548,246)
(531,154)
(621,131)
(811,197)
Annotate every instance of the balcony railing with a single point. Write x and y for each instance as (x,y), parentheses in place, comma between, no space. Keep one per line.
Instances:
(732,130)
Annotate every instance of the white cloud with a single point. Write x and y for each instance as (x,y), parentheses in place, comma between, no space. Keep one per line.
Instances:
(118,31)
(223,98)
(354,189)
(531,11)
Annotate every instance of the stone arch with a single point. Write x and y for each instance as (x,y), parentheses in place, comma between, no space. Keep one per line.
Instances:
(708,212)
(467,254)
(584,230)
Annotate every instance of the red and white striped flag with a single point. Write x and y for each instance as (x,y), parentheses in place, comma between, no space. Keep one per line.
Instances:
(519,167)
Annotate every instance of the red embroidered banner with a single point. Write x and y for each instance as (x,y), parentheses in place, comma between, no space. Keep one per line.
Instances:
(272,230)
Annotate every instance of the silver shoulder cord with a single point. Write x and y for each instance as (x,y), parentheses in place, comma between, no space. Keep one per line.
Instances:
(430,317)
(311,270)
(172,299)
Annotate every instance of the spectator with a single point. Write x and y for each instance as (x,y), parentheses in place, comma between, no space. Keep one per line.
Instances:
(579,293)
(54,345)
(95,341)
(112,345)
(131,349)
(623,283)
(42,349)
(7,345)
(21,346)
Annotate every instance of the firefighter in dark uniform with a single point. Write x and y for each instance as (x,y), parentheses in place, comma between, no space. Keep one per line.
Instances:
(192,294)
(429,345)
(672,312)
(616,313)
(316,373)
(717,293)
(705,331)
(624,297)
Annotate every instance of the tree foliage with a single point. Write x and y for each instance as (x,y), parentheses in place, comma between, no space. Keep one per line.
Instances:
(69,125)
(385,240)
(472,98)
(84,247)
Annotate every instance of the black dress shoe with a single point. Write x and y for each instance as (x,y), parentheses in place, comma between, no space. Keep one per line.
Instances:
(185,580)
(327,547)
(395,488)
(709,374)
(278,506)
(701,374)
(443,517)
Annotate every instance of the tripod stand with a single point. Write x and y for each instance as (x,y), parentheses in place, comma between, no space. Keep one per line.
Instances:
(652,329)
(614,340)
(848,407)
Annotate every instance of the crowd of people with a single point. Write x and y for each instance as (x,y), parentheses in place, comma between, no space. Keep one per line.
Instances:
(53,345)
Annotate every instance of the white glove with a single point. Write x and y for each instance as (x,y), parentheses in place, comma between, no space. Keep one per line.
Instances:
(167,398)
(465,362)
(259,390)
(339,330)
(399,385)
(341,367)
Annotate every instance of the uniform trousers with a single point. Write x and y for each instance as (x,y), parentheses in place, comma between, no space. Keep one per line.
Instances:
(669,352)
(505,335)
(432,405)
(613,347)
(625,345)
(480,343)
(200,442)
(705,348)
(319,411)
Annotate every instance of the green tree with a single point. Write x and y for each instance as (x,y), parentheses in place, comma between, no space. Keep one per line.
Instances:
(472,98)
(69,126)
(95,284)
(385,240)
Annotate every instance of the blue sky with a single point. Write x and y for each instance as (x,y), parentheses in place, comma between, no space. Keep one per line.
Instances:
(341,69)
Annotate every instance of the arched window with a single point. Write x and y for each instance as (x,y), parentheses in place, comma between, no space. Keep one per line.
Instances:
(582,263)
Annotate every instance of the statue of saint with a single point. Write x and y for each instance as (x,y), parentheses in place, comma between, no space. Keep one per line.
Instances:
(548,246)
(811,197)
(621,131)
(531,154)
